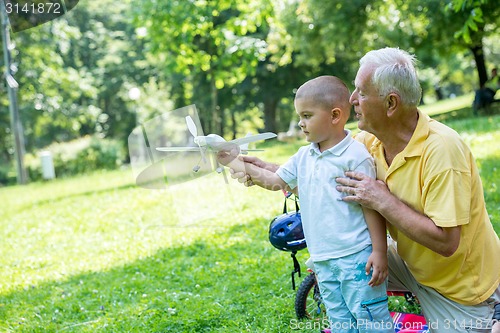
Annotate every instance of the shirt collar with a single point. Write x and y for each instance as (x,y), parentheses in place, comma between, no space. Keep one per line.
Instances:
(336,150)
(415,146)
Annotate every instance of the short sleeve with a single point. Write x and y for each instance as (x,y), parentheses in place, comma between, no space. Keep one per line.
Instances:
(367,166)
(447,197)
(288,171)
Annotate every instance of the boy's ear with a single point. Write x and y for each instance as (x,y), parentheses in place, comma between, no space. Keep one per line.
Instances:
(336,114)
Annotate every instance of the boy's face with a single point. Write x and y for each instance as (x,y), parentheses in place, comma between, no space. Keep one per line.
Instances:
(315,121)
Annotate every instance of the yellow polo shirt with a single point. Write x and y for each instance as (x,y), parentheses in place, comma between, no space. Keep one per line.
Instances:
(437,176)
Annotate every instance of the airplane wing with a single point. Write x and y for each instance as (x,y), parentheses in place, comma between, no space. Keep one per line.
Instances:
(178,148)
(245,151)
(253,138)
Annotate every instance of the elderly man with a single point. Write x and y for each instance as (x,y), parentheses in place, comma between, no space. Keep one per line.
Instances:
(430,193)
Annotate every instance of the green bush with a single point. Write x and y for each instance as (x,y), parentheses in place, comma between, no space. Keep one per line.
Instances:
(7,174)
(79,156)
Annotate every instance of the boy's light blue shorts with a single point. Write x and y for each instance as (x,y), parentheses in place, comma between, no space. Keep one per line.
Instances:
(352,305)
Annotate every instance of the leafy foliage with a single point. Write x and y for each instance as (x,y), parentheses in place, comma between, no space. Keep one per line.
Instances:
(97,71)
(212,45)
(75,74)
(478,13)
(79,156)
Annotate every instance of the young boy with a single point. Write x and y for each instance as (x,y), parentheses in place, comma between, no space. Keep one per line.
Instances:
(346,242)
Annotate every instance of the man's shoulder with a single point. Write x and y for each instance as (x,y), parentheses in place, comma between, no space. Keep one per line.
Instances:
(445,149)
(442,136)
(365,138)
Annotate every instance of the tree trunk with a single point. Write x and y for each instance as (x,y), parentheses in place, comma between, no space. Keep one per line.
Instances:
(216,120)
(233,122)
(222,120)
(477,51)
(270,105)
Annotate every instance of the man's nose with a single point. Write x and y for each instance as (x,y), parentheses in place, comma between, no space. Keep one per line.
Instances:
(353,99)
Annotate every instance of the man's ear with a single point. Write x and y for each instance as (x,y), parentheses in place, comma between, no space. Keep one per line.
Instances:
(393,101)
(336,115)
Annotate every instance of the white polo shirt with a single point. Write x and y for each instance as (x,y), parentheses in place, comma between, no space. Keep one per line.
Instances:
(332,228)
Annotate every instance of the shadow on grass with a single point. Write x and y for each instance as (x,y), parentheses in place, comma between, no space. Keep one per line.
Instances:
(41,202)
(233,282)
(464,113)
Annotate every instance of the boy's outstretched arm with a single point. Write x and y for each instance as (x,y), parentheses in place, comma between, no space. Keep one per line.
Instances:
(378,259)
(260,176)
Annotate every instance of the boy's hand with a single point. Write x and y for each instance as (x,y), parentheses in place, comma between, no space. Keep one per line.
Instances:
(225,157)
(260,163)
(378,262)
(246,179)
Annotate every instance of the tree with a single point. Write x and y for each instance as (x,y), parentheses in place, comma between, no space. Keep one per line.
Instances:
(438,33)
(75,73)
(210,44)
(110,52)
(480,18)
(300,47)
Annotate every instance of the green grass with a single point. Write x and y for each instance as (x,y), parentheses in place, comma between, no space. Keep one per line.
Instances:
(98,254)
(449,105)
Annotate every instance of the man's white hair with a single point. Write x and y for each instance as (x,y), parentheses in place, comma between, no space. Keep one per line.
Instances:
(394,71)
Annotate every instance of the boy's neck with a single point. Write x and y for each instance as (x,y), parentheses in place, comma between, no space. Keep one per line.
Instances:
(333,141)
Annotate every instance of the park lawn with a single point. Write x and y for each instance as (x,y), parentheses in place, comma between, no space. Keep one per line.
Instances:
(445,106)
(97,254)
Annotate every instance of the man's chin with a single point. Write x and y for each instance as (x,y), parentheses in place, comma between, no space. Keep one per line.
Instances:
(361,125)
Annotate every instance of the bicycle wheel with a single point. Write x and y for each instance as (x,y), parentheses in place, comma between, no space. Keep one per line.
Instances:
(308,303)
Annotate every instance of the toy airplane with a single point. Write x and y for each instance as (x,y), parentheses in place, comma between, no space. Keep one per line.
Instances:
(214,143)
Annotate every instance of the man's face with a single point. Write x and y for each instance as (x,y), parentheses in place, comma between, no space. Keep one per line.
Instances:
(369,106)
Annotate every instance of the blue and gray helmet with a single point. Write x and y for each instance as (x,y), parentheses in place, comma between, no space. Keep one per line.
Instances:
(286,234)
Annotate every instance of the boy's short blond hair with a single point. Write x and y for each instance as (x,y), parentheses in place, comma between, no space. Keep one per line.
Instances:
(328,91)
